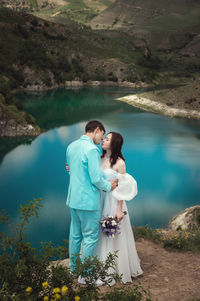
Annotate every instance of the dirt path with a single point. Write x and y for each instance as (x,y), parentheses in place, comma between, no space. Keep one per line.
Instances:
(170,275)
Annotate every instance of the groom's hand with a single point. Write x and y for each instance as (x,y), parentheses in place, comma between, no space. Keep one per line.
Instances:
(114,184)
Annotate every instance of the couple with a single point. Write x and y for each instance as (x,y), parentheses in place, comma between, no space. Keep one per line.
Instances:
(96,178)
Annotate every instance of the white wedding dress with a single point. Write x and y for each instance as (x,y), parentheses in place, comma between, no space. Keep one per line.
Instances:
(128,262)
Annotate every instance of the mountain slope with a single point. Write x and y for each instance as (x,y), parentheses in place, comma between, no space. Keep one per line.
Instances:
(36,55)
(164,25)
(59,11)
(158,13)
(34,51)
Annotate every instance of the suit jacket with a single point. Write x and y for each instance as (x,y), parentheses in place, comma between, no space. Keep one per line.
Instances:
(86,177)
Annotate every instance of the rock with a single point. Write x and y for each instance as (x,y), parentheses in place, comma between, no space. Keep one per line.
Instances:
(11,129)
(153,276)
(74,83)
(189,219)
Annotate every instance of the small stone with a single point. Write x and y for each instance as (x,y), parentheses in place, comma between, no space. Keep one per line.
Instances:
(165,290)
(153,276)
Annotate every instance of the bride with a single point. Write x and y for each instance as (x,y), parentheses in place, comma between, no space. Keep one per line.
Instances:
(113,166)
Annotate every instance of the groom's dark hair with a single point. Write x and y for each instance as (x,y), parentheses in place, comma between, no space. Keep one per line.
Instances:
(92,125)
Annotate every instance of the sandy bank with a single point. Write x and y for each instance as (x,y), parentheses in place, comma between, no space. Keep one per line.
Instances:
(159,107)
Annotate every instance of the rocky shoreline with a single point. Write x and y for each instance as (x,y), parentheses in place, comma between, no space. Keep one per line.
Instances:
(79,84)
(9,128)
(159,107)
(155,102)
(180,102)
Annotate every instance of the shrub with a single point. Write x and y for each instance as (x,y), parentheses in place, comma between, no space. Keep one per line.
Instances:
(183,241)
(29,118)
(135,293)
(30,275)
(112,77)
(147,233)
(21,265)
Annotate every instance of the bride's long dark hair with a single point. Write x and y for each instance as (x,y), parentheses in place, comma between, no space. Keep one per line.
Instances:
(115,147)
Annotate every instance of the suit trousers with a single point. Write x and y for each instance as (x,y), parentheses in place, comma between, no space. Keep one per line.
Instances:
(85,229)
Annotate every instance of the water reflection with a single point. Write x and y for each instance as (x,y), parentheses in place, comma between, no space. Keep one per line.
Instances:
(65,107)
(161,153)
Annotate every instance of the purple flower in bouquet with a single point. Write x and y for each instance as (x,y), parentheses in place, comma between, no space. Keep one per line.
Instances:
(109,226)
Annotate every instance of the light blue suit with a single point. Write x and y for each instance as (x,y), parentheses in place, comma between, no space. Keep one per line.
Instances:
(86,181)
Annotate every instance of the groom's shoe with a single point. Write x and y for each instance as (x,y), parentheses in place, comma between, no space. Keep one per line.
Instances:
(81,280)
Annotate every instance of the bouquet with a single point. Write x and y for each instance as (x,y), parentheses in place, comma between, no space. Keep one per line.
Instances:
(110,226)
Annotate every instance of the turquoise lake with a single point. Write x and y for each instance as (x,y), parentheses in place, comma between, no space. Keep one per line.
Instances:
(162,154)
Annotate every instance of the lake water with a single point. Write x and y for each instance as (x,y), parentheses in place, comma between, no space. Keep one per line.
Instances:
(162,154)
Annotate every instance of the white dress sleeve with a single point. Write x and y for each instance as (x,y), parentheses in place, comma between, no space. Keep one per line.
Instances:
(126,189)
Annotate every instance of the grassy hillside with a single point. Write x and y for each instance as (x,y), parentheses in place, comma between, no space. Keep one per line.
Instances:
(164,25)
(38,54)
(34,51)
(59,11)
(156,14)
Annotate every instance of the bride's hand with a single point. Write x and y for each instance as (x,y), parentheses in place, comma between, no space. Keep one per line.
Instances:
(119,215)
(67,167)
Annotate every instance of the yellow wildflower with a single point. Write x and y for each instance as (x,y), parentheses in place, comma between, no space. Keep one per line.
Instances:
(77,298)
(56,290)
(45,284)
(28,290)
(64,290)
(57,296)
(46,298)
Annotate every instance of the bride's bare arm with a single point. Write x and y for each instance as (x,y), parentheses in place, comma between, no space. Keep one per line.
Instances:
(121,168)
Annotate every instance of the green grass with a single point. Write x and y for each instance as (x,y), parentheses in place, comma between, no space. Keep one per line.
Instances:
(183,241)
(75,10)
(42,46)
(147,233)
(173,22)
(33,3)
(179,240)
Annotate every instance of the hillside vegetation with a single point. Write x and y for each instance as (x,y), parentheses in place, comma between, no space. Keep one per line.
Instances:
(60,11)
(164,25)
(155,42)
(36,52)
(155,14)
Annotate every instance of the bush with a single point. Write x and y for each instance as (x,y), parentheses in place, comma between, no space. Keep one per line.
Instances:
(100,75)
(147,233)
(29,118)
(183,241)
(136,293)
(30,275)
(22,266)
(112,77)
(150,62)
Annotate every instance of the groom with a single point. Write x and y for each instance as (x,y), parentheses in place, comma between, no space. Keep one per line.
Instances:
(86,181)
